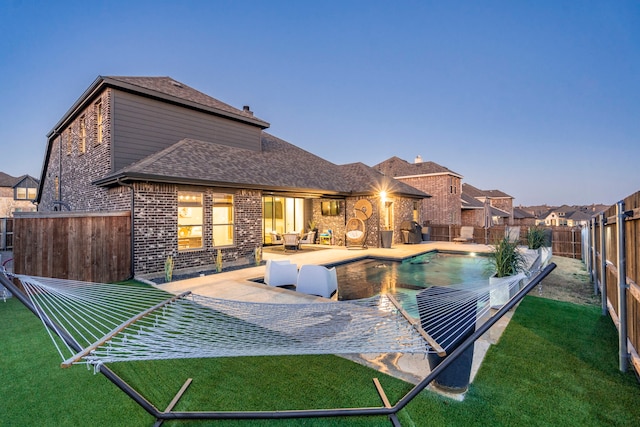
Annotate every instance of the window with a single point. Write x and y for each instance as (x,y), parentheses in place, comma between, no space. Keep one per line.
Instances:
(98,122)
(56,187)
(25,193)
(222,220)
(66,139)
(190,219)
(82,143)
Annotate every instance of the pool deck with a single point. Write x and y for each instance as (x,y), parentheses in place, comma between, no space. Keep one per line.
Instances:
(238,285)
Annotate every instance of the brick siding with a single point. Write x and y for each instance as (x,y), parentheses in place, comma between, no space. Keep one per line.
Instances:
(444,206)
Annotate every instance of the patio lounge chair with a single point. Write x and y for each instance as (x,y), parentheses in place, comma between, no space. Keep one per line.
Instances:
(308,238)
(466,234)
(512,234)
(290,240)
(280,273)
(276,239)
(317,280)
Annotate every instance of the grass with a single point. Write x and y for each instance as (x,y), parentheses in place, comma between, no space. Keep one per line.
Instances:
(556,364)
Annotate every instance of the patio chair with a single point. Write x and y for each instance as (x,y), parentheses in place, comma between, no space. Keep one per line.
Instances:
(309,238)
(290,240)
(512,234)
(276,239)
(356,233)
(280,273)
(317,280)
(466,234)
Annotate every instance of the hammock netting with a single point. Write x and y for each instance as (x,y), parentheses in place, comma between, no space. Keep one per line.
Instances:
(116,322)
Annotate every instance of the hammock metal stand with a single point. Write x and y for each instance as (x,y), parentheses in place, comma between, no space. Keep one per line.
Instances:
(387,409)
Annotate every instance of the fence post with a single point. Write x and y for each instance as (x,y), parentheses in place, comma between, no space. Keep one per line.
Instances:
(592,255)
(3,233)
(603,265)
(587,249)
(622,288)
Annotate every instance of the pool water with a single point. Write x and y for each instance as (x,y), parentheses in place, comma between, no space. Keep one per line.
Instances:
(368,277)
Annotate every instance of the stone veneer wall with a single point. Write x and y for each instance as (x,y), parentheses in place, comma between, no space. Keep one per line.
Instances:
(335,223)
(402,210)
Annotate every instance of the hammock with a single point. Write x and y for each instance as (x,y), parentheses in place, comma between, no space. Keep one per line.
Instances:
(114,323)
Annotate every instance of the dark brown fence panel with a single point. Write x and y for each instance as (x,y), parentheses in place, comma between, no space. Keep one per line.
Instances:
(632,263)
(89,247)
(441,233)
(567,242)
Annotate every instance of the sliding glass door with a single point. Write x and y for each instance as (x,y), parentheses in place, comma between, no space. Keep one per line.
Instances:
(282,215)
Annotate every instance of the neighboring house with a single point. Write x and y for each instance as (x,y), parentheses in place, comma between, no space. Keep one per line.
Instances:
(523,217)
(199,175)
(17,194)
(442,184)
(570,216)
(499,206)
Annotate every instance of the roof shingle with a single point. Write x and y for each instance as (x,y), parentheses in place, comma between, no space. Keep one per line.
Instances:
(279,166)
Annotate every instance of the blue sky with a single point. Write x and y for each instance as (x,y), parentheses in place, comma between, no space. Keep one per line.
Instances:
(539,99)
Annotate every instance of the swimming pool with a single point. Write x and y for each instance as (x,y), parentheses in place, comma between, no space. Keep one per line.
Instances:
(368,277)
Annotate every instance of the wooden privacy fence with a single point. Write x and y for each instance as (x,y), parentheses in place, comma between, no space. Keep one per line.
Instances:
(93,247)
(565,241)
(613,260)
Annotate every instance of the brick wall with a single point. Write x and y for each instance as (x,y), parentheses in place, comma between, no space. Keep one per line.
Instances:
(156,206)
(473,217)
(75,169)
(156,225)
(444,206)
(505,204)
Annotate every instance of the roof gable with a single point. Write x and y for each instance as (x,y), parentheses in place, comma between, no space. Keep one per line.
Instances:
(397,167)
(170,89)
(7,180)
(477,193)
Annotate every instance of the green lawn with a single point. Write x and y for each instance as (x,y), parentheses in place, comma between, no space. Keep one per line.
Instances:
(556,364)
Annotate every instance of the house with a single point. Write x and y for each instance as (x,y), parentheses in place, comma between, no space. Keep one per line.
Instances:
(17,194)
(499,206)
(523,217)
(442,184)
(199,176)
(451,201)
(570,216)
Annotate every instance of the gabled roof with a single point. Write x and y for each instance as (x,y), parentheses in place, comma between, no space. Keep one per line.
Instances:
(363,179)
(477,193)
(396,167)
(521,213)
(162,88)
(575,213)
(498,212)
(469,202)
(279,166)
(7,180)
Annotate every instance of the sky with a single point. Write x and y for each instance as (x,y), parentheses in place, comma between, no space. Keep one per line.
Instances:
(538,99)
